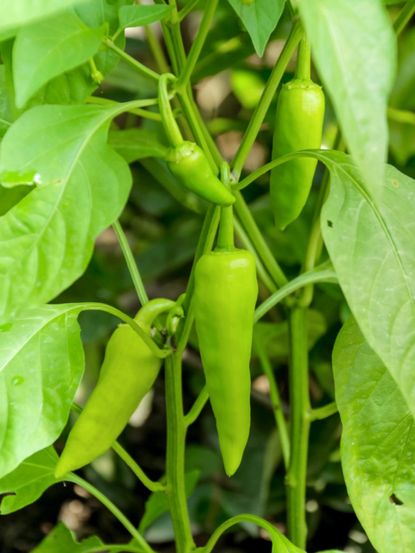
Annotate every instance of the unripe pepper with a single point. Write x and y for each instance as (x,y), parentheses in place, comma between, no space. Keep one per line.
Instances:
(225,294)
(186,160)
(298,126)
(128,372)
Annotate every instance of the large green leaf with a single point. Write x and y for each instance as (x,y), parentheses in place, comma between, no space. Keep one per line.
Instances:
(354,49)
(378,443)
(49,48)
(136,16)
(260,18)
(22,12)
(41,364)
(371,244)
(47,238)
(62,539)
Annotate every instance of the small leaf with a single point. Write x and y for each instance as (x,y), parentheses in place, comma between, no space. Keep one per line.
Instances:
(355,51)
(41,364)
(378,443)
(136,16)
(28,481)
(23,12)
(260,19)
(47,238)
(371,244)
(49,48)
(62,539)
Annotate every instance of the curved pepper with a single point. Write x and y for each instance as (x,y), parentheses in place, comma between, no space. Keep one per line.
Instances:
(298,126)
(225,294)
(128,372)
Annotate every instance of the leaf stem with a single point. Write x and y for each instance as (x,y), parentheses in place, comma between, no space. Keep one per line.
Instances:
(189,7)
(113,509)
(303,60)
(266,99)
(140,67)
(404,17)
(193,56)
(175,468)
(321,413)
(131,264)
(137,470)
(197,407)
(274,393)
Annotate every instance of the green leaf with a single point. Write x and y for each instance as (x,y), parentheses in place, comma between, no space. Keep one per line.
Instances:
(48,237)
(157,504)
(62,539)
(136,16)
(378,443)
(28,481)
(49,48)
(23,12)
(354,50)
(41,364)
(135,144)
(260,19)
(371,244)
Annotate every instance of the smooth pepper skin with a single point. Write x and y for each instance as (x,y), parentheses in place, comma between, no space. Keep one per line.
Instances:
(226,291)
(298,126)
(128,372)
(188,163)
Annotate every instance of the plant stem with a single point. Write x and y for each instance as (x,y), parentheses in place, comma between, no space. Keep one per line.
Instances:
(255,235)
(321,413)
(304,60)
(225,238)
(296,479)
(197,407)
(113,509)
(175,469)
(140,67)
(193,56)
(266,99)
(137,470)
(404,17)
(169,121)
(137,111)
(274,393)
(131,264)
(184,12)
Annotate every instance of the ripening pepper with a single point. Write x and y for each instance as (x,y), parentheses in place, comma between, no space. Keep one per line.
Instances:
(128,372)
(298,126)
(225,294)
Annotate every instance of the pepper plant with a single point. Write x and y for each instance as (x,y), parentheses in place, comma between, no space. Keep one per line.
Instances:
(299,290)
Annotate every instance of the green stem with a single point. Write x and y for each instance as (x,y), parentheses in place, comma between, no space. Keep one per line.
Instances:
(175,468)
(193,56)
(137,470)
(225,238)
(131,264)
(401,116)
(108,548)
(304,60)
(404,17)
(262,273)
(196,408)
(278,540)
(169,121)
(140,67)
(321,413)
(113,509)
(324,273)
(296,479)
(266,99)
(255,235)
(280,421)
(189,7)
(137,111)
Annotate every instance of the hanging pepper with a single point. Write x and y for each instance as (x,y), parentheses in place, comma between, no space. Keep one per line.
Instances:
(298,126)
(186,160)
(128,372)
(225,294)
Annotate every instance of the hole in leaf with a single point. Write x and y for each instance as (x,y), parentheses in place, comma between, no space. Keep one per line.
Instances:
(395,500)
(330,223)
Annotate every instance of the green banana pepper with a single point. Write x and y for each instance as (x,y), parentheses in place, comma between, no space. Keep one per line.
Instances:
(225,294)
(298,126)
(128,372)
